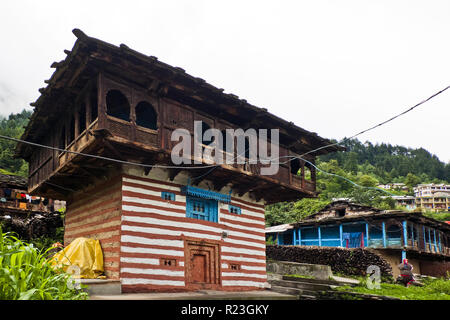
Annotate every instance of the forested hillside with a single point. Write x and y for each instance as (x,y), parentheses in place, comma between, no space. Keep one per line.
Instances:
(391,163)
(13,126)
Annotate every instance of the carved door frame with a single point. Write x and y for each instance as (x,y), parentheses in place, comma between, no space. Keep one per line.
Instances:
(211,251)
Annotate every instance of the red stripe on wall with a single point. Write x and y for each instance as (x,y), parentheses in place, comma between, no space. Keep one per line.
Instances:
(245,263)
(170,184)
(247,216)
(151,276)
(151,266)
(151,246)
(151,206)
(149,256)
(94,223)
(151,188)
(148,197)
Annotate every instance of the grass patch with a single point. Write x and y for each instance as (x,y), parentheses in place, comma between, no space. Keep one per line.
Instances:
(433,289)
(301,276)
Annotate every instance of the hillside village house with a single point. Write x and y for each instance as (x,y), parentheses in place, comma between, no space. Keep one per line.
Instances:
(433,197)
(168,228)
(393,234)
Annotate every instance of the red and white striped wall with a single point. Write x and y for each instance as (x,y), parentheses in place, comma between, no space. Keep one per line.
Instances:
(153,229)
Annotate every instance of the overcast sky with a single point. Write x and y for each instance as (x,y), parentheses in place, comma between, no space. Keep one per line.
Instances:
(331,67)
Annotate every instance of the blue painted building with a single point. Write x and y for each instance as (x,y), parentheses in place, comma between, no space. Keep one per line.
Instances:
(394,233)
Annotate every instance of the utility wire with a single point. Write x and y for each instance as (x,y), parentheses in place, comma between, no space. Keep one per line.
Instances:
(213,166)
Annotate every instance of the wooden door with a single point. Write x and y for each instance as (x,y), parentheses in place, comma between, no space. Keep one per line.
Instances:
(202,265)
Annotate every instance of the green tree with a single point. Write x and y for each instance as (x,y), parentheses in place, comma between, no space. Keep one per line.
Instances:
(412,180)
(13,127)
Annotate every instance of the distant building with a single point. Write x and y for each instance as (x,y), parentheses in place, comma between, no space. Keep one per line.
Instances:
(14,198)
(409,202)
(392,234)
(433,197)
(394,186)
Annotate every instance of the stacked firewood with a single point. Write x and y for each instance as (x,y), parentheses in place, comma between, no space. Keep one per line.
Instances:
(341,260)
(27,227)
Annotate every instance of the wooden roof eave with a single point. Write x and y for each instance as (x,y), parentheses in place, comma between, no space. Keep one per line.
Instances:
(197,84)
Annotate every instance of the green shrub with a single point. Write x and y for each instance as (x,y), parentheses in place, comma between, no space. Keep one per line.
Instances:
(26,274)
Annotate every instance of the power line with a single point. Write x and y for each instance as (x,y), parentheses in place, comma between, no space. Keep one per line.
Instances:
(380,124)
(212,166)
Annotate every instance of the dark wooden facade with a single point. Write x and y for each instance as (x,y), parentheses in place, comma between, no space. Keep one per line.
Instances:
(97,99)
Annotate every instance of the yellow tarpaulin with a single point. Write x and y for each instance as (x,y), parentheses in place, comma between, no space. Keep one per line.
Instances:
(82,257)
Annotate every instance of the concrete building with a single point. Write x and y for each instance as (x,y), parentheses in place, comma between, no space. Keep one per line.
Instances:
(433,197)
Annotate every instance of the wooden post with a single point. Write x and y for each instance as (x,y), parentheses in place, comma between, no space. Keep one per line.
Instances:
(429,238)
(403,255)
(367,234)
(435,242)
(440,246)
(299,236)
(405,233)
(383,224)
(294,237)
(340,235)
(320,236)
(424,238)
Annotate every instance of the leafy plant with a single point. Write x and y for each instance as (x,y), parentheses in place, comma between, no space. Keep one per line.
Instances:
(433,289)
(26,274)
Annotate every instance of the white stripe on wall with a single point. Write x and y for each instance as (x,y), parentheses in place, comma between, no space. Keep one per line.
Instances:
(171,223)
(231,258)
(239,218)
(151,184)
(152,251)
(241,250)
(159,242)
(140,260)
(152,210)
(169,273)
(238,226)
(152,230)
(253,268)
(152,281)
(239,274)
(247,243)
(242,283)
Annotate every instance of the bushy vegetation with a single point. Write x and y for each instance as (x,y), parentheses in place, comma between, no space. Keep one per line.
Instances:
(26,274)
(433,289)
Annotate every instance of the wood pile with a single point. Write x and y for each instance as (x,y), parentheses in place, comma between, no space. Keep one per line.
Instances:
(342,260)
(27,227)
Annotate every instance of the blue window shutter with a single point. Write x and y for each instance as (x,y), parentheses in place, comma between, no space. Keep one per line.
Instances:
(234,209)
(202,209)
(168,195)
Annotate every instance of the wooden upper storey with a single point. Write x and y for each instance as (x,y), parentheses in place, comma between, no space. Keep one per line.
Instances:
(112,101)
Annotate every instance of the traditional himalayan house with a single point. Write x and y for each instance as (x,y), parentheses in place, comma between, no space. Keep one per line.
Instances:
(393,234)
(164,228)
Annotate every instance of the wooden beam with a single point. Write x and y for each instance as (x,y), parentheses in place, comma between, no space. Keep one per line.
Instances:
(173,173)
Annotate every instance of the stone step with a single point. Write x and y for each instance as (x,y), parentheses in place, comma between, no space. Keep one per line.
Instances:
(308,297)
(302,285)
(287,290)
(102,286)
(308,280)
